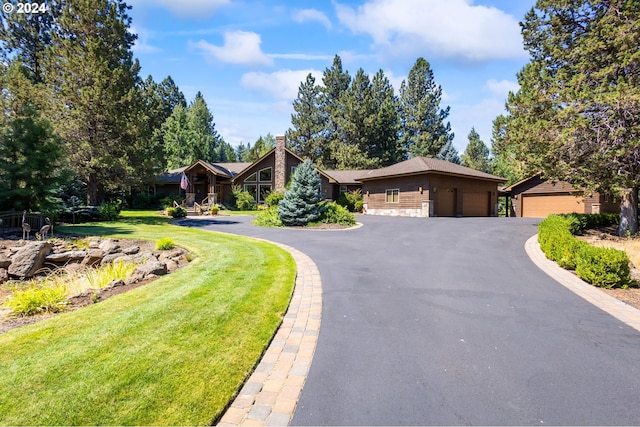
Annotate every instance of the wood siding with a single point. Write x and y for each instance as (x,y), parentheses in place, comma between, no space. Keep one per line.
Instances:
(449,204)
(545,197)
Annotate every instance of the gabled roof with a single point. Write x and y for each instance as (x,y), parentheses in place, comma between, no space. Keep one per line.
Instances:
(424,165)
(346,176)
(287,151)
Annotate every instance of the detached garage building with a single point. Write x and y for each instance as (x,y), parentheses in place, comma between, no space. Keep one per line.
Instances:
(427,187)
(535,197)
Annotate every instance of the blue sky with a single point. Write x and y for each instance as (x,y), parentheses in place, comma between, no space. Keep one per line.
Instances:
(248,57)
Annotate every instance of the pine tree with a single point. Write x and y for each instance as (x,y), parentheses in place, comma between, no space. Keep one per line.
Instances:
(32,157)
(576,116)
(476,155)
(449,153)
(90,67)
(351,149)
(203,137)
(177,142)
(300,205)
(423,130)
(305,136)
(385,123)
(335,82)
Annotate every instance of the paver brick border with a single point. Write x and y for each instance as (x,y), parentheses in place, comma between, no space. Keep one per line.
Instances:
(618,309)
(270,395)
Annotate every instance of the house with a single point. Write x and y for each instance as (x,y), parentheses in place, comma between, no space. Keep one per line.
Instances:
(536,197)
(210,183)
(427,187)
(420,186)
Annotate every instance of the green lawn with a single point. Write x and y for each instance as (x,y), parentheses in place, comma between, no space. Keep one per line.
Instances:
(173,352)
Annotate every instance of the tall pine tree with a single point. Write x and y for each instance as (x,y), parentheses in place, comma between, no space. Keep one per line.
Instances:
(305,136)
(335,82)
(476,155)
(424,130)
(92,77)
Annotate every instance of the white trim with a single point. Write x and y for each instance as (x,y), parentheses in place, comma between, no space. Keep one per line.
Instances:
(386,195)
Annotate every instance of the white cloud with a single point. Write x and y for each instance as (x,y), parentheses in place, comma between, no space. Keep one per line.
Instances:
(185,8)
(312,15)
(240,47)
(142,42)
(479,116)
(454,29)
(300,56)
(281,85)
(502,88)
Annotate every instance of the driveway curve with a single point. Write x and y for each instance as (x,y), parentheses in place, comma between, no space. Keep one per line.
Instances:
(446,321)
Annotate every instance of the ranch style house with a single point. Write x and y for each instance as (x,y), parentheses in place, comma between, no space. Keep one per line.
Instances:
(418,187)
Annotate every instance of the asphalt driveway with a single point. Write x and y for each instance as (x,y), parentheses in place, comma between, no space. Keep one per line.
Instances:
(446,321)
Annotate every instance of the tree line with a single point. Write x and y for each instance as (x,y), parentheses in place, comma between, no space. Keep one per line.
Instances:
(77,113)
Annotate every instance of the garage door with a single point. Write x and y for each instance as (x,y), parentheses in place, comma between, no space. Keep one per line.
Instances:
(446,202)
(475,204)
(542,206)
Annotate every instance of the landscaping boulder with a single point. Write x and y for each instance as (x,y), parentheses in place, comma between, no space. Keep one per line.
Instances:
(4,261)
(65,257)
(93,257)
(131,250)
(152,267)
(4,275)
(29,259)
(109,246)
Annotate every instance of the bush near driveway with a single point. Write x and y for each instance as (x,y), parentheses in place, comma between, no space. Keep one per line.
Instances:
(604,267)
(173,352)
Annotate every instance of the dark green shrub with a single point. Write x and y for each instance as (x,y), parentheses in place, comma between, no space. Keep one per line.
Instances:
(332,213)
(604,267)
(274,198)
(268,218)
(110,211)
(167,201)
(177,212)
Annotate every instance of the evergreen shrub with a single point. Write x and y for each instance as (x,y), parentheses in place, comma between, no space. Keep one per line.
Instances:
(333,213)
(110,211)
(274,198)
(300,204)
(245,201)
(268,218)
(603,267)
(177,212)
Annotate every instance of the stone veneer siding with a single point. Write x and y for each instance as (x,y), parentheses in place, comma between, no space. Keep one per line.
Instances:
(280,169)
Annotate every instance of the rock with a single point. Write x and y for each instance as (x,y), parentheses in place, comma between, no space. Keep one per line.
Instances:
(109,258)
(131,250)
(171,265)
(151,268)
(114,284)
(4,261)
(109,246)
(171,254)
(93,257)
(4,275)
(143,257)
(65,257)
(29,259)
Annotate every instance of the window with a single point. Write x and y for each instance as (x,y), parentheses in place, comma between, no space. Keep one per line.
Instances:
(265,175)
(265,189)
(252,177)
(252,189)
(343,189)
(393,196)
(293,169)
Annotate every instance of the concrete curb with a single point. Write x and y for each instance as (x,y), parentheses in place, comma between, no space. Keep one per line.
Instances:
(618,309)
(270,395)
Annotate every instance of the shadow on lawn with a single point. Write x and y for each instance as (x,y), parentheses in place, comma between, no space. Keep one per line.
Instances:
(204,222)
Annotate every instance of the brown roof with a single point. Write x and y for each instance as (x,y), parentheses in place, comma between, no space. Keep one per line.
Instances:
(233,168)
(422,165)
(171,176)
(347,176)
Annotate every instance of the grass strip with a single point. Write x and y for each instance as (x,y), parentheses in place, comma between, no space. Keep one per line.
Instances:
(173,352)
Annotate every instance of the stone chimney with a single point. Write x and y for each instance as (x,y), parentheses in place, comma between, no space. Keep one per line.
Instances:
(280,178)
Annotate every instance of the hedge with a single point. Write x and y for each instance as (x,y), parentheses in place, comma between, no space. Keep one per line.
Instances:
(604,267)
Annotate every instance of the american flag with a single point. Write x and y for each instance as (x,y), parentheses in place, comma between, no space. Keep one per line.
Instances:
(184,182)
